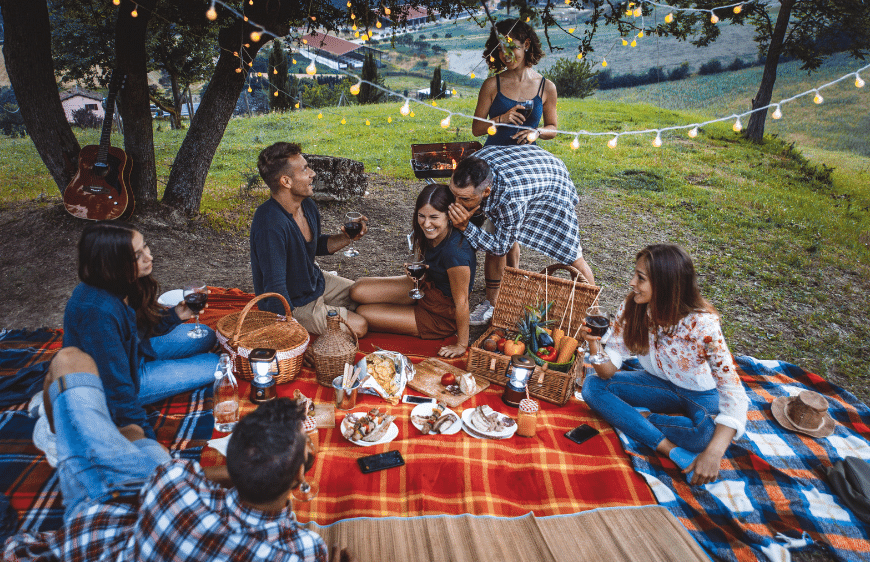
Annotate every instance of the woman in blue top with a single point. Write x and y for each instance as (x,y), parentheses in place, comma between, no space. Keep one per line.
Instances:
(511,51)
(450,262)
(142,352)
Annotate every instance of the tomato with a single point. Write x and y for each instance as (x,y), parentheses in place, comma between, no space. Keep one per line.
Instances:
(501,343)
(447,379)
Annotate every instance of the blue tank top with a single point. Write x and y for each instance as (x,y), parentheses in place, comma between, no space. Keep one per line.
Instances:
(501,105)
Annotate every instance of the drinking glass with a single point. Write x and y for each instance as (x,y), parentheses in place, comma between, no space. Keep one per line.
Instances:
(352,226)
(416,270)
(195,297)
(526,110)
(307,491)
(598,322)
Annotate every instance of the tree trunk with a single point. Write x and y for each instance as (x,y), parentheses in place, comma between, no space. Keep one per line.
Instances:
(130,35)
(755,129)
(207,126)
(27,51)
(176,101)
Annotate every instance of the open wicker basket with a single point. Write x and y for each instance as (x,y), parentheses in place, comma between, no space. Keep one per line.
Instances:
(242,332)
(521,288)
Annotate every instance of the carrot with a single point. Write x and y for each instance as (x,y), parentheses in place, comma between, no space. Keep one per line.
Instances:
(567,347)
(558,334)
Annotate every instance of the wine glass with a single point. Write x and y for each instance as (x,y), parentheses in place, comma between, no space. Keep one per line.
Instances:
(195,297)
(307,491)
(598,323)
(526,109)
(416,270)
(352,226)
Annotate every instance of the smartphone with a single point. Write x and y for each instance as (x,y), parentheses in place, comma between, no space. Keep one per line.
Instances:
(381,461)
(408,399)
(581,433)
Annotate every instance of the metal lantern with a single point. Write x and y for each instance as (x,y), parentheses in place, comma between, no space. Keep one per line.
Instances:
(518,372)
(264,365)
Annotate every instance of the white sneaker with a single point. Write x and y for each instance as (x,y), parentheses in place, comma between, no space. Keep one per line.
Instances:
(481,315)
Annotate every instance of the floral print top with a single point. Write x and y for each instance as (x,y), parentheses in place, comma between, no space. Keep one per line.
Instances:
(692,355)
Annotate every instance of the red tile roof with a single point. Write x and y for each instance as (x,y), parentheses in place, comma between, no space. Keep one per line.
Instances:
(330,44)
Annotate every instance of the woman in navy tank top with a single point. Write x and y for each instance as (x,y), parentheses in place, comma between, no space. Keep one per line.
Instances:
(511,52)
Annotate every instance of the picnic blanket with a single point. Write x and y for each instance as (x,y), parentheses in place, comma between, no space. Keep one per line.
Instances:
(771,487)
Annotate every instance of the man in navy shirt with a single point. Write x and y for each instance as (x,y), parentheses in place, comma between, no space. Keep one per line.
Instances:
(286,237)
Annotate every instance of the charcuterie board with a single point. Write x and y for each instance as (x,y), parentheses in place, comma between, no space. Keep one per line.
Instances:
(428,381)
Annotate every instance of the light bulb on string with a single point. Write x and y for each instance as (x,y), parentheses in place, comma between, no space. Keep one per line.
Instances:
(386,10)
(343,121)
(244,18)
(274,71)
(353,16)
(378,24)
(311,70)
(296,105)
(355,88)
(579,56)
(238,70)
(575,144)
(570,30)
(247,45)
(389,119)
(368,122)
(348,4)
(640,35)
(445,122)
(738,9)
(528,19)
(250,89)
(453,91)
(353,27)
(118,3)
(356,34)
(276,93)
(714,18)
(738,126)
(634,43)
(251,63)
(211,14)
(294,61)
(472,75)
(669,18)
(603,62)
(259,75)
(491,130)
(637,12)
(533,136)
(135,12)
(777,113)
(612,142)
(411,114)
(320,115)
(658,140)
(693,132)
(434,103)
(255,36)
(406,109)
(624,43)
(817,99)
(858,82)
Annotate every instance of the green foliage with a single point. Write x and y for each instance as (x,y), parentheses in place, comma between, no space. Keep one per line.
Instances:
(85,118)
(436,86)
(11,122)
(367,92)
(281,92)
(573,78)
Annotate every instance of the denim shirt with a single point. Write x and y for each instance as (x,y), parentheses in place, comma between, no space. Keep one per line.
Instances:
(103,326)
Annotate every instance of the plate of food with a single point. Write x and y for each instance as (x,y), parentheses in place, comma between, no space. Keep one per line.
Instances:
(485,423)
(369,428)
(171,298)
(435,419)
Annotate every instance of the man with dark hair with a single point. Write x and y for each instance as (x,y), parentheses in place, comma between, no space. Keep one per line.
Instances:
(285,239)
(125,501)
(527,196)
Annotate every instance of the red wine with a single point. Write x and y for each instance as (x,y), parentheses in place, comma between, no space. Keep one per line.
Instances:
(597,325)
(353,228)
(525,110)
(196,301)
(417,271)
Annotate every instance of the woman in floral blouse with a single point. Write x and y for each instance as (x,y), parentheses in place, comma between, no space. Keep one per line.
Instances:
(688,380)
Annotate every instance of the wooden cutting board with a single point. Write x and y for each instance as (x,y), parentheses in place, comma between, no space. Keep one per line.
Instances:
(428,381)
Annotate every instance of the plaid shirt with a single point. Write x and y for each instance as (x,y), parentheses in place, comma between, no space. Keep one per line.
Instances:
(182,516)
(532,201)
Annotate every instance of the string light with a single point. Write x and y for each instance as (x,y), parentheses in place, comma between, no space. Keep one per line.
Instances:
(603,62)
(411,114)
(311,70)
(579,56)
(250,89)
(612,142)
(817,99)
(640,35)
(637,12)
(118,3)
(355,88)
(669,18)
(276,93)
(389,119)
(694,132)
(255,36)
(343,121)
(406,109)
(491,130)
(472,75)
(624,43)
(777,113)
(634,43)
(575,144)
(858,82)
(738,126)
(738,9)
(434,103)
(533,136)
(378,24)
(386,10)
(714,19)
(135,12)
(445,122)
(368,122)
(320,115)
(658,140)
(274,71)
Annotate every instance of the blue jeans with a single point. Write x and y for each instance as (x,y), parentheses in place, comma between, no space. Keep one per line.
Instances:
(616,398)
(94,461)
(182,364)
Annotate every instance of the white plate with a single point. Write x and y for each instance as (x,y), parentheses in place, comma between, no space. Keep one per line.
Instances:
(471,430)
(425,410)
(391,434)
(171,298)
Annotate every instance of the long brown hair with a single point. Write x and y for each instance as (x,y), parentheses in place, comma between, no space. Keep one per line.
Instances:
(519,31)
(440,197)
(675,294)
(107,261)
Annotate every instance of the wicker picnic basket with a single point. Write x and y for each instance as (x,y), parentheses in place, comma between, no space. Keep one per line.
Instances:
(524,288)
(242,332)
(333,350)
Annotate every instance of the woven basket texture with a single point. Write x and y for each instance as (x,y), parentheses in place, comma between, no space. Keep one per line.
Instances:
(242,332)
(519,289)
(333,350)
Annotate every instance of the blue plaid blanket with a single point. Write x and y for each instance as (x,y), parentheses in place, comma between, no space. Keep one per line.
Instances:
(771,495)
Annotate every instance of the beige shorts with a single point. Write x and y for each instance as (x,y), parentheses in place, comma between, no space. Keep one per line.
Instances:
(336,296)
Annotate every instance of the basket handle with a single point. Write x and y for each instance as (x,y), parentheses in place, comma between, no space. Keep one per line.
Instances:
(349,329)
(572,271)
(240,322)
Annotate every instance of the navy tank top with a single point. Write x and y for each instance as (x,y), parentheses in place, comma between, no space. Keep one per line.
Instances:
(501,105)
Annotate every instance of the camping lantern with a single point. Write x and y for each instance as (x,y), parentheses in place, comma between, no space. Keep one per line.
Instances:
(264,365)
(518,372)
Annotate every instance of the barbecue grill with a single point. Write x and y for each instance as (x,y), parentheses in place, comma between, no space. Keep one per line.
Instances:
(437,160)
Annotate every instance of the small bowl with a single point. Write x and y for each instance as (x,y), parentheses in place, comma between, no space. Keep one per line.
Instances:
(561,367)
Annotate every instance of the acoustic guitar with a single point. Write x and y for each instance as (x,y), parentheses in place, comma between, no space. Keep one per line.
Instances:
(101,189)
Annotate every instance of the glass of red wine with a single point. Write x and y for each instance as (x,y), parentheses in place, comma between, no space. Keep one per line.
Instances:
(307,491)
(416,270)
(195,297)
(352,226)
(526,108)
(598,323)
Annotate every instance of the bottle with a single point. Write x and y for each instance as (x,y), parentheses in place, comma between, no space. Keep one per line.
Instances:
(226,396)
(527,418)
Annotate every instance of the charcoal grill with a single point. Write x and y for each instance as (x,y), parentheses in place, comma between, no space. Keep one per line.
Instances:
(437,160)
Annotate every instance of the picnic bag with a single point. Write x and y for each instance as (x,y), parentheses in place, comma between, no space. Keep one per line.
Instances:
(525,288)
(242,332)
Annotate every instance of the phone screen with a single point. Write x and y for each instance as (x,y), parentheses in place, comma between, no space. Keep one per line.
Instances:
(581,433)
(410,399)
(381,461)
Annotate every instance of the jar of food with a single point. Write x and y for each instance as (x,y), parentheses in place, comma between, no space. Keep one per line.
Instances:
(309,426)
(527,419)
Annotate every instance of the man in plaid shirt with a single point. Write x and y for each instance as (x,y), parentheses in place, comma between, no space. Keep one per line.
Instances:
(528,197)
(125,501)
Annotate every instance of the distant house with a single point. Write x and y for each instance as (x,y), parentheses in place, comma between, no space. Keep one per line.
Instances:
(78,98)
(337,53)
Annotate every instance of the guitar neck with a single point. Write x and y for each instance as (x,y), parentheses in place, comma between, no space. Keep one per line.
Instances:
(105,136)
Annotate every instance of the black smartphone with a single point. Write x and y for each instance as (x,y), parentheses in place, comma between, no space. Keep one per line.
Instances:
(410,399)
(581,433)
(381,461)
